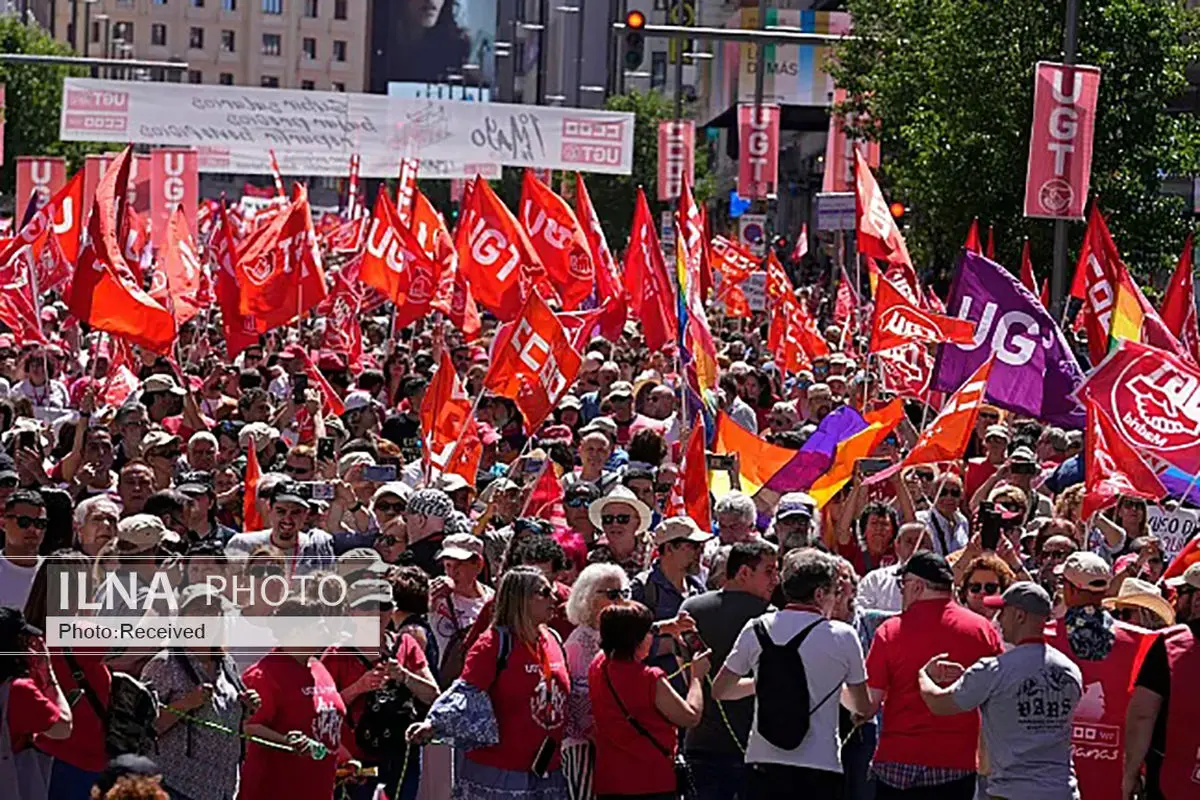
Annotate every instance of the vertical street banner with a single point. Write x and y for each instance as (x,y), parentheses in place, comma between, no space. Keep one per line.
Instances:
(138,194)
(676,157)
(174,180)
(43,175)
(758,157)
(2,113)
(1060,142)
(840,148)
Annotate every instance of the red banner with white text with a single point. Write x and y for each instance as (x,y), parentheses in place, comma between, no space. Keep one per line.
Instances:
(1060,143)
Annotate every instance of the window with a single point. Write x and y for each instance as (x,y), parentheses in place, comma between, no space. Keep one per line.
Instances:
(271,44)
(309,46)
(158,34)
(196,38)
(197,4)
(229,5)
(339,50)
(307,86)
(228,43)
(195,76)
(160,2)
(339,9)
(270,81)
(272,7)
(338,86)
(658,69)
(312,9)
(95,34)
(225,79)
(123,32)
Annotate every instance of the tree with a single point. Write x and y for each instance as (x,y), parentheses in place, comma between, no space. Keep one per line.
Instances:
(951,84)
(34,97)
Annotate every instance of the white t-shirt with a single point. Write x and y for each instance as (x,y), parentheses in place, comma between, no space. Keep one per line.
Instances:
(832,656)
(15,582)
(880,589)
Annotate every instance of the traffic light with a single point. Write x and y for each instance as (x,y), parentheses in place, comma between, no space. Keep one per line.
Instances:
(635,39)
(897,210)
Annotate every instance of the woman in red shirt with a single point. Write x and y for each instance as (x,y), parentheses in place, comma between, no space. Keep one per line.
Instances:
(519,664)
(636,711)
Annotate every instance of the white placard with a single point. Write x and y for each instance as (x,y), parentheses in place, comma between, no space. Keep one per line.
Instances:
(1173,528)
(314,133)
(755,288)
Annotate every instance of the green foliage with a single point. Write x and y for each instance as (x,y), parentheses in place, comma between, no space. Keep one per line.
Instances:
(951,82)
(33,99)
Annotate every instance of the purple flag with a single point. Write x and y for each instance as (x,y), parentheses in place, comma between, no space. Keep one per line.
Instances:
(817,453)
(1035,372)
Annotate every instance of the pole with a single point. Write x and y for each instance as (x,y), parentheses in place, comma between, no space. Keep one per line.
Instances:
(87,28)
(678,7)
(544,20)
(579,54)
(1058,277)
(74,37)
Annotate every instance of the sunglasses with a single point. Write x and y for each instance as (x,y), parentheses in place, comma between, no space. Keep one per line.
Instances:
(983,588)
(578,502)
(387,541)
(30,522)
(291,469)
(389,508)
(616,594)
(544,592)
(663,488)
(951,492)
(620,519)
(1126,613)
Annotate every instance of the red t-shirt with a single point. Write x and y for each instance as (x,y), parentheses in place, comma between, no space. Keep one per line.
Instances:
(854,554)
(528,706)
(295,697)
(911,734)
(626,761)
(29,712)
(978,471)
(84,748)
(345,667)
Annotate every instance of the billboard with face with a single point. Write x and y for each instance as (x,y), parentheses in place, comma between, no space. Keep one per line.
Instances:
(433,41)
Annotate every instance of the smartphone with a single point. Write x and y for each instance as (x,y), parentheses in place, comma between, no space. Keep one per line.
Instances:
(545,754)
(326,449)
(719,463)
(1024,468)
(380,473)
(27,440)
(299,387)
(318,490)
(693,642)
(989,534)
(870,466)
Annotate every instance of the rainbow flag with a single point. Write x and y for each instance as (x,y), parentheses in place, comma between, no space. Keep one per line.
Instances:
(1127,316)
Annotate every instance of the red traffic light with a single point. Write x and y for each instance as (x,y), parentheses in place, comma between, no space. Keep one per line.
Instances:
(897,210)
(635,20)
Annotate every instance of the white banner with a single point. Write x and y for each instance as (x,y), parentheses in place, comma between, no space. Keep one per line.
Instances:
(314,133)
(1173,528)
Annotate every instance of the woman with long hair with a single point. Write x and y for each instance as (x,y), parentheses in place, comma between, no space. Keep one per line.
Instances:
(509,707)
(1116,528)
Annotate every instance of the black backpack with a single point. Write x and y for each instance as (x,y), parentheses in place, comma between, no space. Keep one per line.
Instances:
(782,705)
(131,716)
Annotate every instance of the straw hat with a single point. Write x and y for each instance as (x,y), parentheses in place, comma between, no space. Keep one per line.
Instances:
(1135,592)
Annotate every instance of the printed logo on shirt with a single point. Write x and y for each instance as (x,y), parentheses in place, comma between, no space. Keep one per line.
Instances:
(548,703)
(327,723)
(1046,700)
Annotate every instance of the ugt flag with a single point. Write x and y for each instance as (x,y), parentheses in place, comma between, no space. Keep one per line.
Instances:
(1034,372)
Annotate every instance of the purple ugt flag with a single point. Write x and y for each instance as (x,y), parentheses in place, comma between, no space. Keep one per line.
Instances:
(1035,372)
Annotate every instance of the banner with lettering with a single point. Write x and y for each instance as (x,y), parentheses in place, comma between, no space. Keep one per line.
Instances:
(174,181)
(43,175)
(758,150)
(1060,143)
(314,133)
(676,157)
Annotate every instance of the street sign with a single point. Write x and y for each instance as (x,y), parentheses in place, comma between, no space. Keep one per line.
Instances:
(752,231)
(835,211)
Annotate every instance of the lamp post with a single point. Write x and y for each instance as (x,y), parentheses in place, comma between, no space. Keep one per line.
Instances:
(577,10)
(87,26)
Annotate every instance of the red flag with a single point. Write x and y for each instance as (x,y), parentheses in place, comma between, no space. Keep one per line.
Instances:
(178,284)
(397,265)
(846,303)
(897,321)
(610,289)
(878,234)
(104,291)
(279,270)
(990,250)
(1151,397)
(453,297)
(341,311)
(330,401)
(445,412)
(1027,279)
(693,475)
(734,262)
(546,498)
(1179,304)
(906,370)
(651,293)
(533,363)
(240,331)
(801,248)
(1045,295)
(779,285)
(933,302)
(406,189)
(1190,554)
(737,306)
(60,221)
(972,244)
(251,521)
(947,438)
(689,221)
(1112,468)
(495,255)
(706,257)
(559,240)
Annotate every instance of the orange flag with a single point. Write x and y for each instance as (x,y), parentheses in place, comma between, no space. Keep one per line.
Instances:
(880,423)
(779,285)
(758,460)
(559,240)
(396,264)
(104,291)
(1112,467)
(178,285)
(897,322)
(251,521)
(947,438)
(693,474)
(444,412)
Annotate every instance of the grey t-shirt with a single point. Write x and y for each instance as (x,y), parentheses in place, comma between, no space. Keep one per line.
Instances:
(720,616)
(1026,697)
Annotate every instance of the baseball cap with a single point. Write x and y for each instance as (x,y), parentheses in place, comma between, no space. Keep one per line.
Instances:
(289,492)
(162,383)
(795,504)
(157,439)
(451,482)
(142,533)
(356,401)
(1023,454)
(1086,571)
(329,361)
(1190,577)
(369,590)
(198,482)
(352,460)
(929,566)
(361,561)
(679,529)
(999,431)
(460,547)
(603,425)
(1025,596)
(209,594)
(570,401)
(123,766)
(13,624)
(620,389)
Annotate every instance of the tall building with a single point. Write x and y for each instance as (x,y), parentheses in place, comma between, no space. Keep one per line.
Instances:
(292,44)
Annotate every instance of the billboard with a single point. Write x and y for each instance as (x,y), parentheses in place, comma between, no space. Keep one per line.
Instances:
(315,133)
(429,41)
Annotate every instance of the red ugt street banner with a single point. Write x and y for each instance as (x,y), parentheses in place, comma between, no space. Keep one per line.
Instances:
(1060,143)
(676,157)
(45,175)
(174,181)
(758,141)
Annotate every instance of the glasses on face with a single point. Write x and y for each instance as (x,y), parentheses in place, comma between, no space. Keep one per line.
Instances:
(387,541)
(951,492)
(24,521)
(293,469)
(544,591)
(1057,555)
(983,588)
(578,502)
(619,519)
(616,594)
(389,508)
(1127,613)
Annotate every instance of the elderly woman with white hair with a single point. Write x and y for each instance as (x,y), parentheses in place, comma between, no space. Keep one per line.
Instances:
(96,524)
(597,587)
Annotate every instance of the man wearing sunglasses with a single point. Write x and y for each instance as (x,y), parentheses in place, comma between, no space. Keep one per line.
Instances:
(24,529)
(947,525)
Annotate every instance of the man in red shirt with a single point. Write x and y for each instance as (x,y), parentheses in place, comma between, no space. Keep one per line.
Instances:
(995,446)
(920,755)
